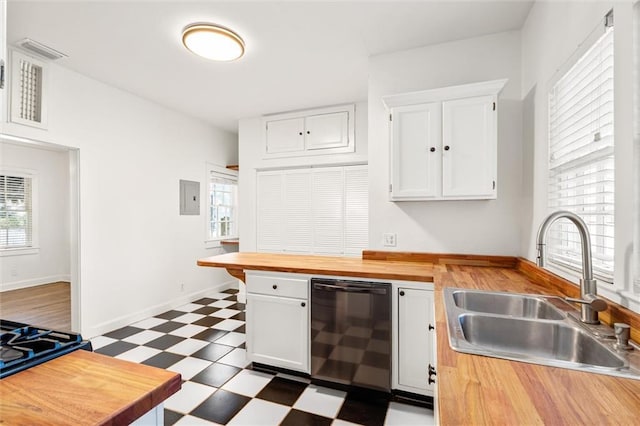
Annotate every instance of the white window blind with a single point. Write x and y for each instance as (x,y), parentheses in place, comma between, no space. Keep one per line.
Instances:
(16,215)
(223,200)
(581,160)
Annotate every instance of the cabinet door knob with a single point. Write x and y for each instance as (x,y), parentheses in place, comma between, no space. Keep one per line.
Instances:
(300,133)
(308,132)
(431,327)
(446,148)
(275,286)
(432,149)
(303,304)
(401,293)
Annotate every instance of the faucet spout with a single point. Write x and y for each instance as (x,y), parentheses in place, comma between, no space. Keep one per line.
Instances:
(590,304)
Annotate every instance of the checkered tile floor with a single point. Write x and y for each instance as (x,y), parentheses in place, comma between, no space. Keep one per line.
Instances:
(205,342)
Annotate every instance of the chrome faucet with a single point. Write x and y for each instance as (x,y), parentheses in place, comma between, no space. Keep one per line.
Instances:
(590,303)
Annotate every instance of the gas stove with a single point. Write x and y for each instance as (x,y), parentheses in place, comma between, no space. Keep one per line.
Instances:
(23,346)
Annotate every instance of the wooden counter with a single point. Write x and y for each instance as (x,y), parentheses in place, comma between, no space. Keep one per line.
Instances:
(84,388)
(236,263)
(475,389)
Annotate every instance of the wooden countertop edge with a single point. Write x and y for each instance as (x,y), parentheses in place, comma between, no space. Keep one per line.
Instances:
(53,392)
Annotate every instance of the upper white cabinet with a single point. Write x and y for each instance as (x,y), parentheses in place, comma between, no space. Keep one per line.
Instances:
(3,61)
(444,143)
(314,132)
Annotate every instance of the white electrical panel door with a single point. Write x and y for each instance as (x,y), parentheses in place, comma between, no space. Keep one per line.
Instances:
(356,210)
(327,130)
(328,210)
(297,212)
(415,340)
(278,331)
(285,136)
(269,211)
(469,147)
(416,151)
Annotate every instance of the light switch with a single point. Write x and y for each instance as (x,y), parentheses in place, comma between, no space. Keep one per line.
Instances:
(189,197)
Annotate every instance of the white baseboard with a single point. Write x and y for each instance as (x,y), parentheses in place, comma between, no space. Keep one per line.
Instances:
(124,320)
(17,285)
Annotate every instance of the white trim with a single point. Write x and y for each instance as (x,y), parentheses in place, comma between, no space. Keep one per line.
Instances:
(34,282)
(493,87)
(20,251)
(124,320)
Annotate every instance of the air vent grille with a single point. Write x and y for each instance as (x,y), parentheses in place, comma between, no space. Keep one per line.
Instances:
(30,91)
(40,49)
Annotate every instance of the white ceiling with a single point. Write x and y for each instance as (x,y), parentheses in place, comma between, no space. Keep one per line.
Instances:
(299,54)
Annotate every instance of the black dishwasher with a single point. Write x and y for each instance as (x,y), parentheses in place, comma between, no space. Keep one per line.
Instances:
(351,332)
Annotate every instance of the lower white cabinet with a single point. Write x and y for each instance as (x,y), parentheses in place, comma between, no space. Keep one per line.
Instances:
(278,321)
(414,363)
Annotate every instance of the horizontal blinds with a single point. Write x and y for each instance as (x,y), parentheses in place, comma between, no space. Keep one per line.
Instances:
(16,216)
(581,158)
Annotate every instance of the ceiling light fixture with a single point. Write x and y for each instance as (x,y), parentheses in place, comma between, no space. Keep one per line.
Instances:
(213,42)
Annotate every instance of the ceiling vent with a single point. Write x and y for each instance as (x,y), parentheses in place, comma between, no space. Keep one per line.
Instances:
(40,49)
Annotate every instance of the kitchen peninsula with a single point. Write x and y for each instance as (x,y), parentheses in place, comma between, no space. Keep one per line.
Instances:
(476,389)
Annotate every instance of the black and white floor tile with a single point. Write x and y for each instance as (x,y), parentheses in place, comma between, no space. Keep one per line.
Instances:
(205,342)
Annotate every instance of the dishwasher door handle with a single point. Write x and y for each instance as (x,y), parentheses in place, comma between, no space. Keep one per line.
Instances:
(350,289)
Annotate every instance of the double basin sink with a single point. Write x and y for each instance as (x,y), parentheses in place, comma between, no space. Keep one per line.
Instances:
(531,328)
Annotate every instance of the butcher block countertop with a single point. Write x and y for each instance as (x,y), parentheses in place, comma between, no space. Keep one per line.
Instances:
(84,388)
(321,265)
(472,389)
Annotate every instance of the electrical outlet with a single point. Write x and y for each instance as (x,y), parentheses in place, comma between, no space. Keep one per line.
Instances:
(389,239)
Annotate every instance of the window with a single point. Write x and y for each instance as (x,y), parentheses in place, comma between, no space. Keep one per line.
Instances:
(222,211)
(581,157)
(16,212)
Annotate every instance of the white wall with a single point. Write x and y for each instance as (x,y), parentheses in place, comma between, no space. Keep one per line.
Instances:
(51,263)
(550,37)
(136,250)
(251,141)
(487,227)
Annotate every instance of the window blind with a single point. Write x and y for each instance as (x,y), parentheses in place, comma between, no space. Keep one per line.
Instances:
(581,158)
(16,223)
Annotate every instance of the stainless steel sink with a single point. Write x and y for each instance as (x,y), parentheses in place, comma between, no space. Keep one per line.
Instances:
(531,328)
(537,339)
(516,305)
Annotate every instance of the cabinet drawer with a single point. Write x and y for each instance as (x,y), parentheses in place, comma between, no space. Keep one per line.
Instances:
(278,286)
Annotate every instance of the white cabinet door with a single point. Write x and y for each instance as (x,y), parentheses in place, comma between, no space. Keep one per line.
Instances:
(469,147)
(269,220)
(415,340)
(415,145)
(297,212)
(324,131)
(278,331)
(4,89)
(356,210)
(285,135)
(328,210)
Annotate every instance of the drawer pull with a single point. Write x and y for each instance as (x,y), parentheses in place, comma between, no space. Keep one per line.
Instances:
(431,327)
(275,286)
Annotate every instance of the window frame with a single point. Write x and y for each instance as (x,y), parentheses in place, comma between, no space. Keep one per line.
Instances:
(213,170)
(33,248)
(569,268)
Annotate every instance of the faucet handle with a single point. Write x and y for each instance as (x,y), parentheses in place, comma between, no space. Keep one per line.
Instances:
(623,334)
(594,302)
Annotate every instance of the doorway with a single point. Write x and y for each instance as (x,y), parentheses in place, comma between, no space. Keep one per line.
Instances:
(39,256)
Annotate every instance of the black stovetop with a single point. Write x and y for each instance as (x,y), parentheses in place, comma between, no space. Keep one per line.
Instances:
(23,346)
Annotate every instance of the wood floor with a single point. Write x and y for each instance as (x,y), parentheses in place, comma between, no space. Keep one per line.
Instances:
(47,305)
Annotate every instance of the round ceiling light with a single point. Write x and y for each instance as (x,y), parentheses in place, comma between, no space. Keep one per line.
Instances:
(213,42)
